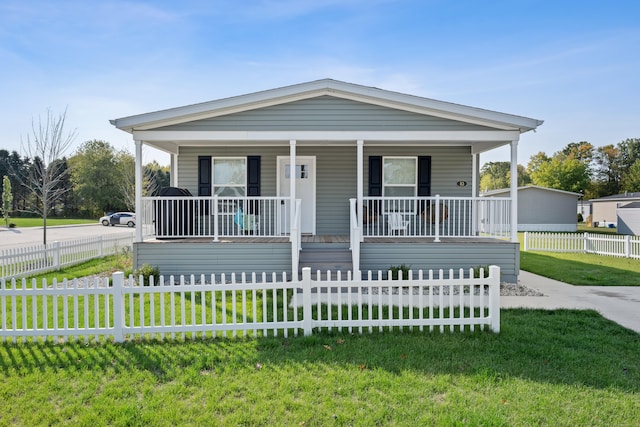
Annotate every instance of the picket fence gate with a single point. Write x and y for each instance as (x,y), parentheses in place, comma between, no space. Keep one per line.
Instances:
(589,243)
(257,305)
(17,262)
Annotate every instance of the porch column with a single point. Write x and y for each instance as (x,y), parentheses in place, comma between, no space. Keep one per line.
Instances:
(360,177)
(475,158)
(292,182)
(174,169)
(138,185)
(514,191)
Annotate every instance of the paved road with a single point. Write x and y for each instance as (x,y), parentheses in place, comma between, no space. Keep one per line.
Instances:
(22,237)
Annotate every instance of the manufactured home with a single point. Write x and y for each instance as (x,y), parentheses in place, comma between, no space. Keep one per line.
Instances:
(326,174)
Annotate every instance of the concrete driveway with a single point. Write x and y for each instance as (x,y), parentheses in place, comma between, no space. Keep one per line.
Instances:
(618,303)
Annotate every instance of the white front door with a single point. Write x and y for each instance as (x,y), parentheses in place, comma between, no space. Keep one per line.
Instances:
(305,191)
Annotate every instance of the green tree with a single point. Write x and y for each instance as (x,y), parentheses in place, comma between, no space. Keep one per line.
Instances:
(582,151)
(494,175)
(96,177)
(608,170)
(7,198)
(562,173)
(631,178)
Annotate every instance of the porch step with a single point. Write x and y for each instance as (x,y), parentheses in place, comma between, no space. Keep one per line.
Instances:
(326,256)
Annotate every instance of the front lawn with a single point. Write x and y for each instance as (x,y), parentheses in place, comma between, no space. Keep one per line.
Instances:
(561,368)
(581,269)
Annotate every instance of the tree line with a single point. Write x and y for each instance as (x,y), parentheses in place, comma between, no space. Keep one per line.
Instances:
(96,179)
(579,167)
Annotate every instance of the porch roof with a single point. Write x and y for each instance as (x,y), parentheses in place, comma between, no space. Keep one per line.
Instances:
(501,128)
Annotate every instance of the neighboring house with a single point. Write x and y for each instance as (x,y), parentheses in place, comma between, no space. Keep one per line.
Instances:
(324,174)
(628,219)
(542,209)
(605,208)
(584,208)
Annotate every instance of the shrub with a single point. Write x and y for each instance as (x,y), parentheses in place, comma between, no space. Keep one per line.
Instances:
(394,269)
(580,218)
(147,271)
(477,268)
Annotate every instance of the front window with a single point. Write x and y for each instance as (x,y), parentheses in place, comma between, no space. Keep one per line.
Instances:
(229,177)
(399,179)
(399,176)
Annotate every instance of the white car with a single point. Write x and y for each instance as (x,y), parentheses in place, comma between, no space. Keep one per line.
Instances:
(119,218)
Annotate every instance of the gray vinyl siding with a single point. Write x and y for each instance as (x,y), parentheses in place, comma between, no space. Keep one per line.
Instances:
(214,258)
(381,256)
(336,174)
(325,113)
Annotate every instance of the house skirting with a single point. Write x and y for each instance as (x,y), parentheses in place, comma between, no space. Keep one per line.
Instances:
(434,256)
(205,257)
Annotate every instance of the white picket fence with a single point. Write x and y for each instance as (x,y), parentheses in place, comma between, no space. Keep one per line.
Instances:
(255,305)
(34,259)
(591,243)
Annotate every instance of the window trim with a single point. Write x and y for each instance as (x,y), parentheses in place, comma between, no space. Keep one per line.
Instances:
(415,177)
(243,186)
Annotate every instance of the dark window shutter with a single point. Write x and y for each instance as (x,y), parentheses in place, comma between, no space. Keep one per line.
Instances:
(253,175)
(204,175)
(375,175)
(424,176)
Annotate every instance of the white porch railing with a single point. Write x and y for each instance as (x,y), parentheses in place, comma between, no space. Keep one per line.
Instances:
(215,217)
(256,305)
(436,217)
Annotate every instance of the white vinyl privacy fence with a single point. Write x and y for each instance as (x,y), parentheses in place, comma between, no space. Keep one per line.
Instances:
(34,259)
(590,243)
(257,305)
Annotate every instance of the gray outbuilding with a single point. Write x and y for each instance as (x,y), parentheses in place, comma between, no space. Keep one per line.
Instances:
(543,209)
(629,219)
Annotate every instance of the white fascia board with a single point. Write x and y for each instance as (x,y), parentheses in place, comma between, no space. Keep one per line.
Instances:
(335,88)
(384,136)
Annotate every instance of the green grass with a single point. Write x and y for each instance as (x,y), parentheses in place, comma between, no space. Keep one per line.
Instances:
(561,368)
(582,228)
(581,269)
(101,266)
(38,222)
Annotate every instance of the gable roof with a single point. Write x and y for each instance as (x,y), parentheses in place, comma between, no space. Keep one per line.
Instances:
(626,197)
(632,205)
(528,187)
(339,89)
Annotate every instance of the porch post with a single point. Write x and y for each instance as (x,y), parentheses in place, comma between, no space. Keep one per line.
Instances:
(474,192)
(174,169)
(514,191)
(292,183)
(360,177)
(138,193)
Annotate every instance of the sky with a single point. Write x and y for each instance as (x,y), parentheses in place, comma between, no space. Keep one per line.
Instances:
(573,64)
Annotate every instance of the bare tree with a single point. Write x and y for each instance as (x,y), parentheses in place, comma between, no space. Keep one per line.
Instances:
(46,147)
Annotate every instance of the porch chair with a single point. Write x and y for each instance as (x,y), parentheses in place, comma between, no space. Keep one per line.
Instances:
(248,223)
(396,222)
